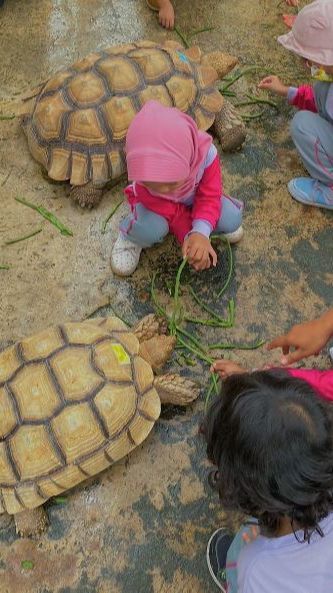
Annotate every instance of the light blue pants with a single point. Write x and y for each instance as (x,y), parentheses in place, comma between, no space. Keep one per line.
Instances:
(148,228)
(313,138)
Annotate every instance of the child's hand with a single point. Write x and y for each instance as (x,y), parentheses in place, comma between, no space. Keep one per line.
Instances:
(199,252)
(307,338)
(292,2)
(224,368)
(273,84)
(166,15)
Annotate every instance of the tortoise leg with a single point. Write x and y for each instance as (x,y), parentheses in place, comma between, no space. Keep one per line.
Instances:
(176,390)
(229,128)
(87,196)
(5,520)
(32,522)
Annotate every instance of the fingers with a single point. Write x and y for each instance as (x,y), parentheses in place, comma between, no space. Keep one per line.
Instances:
(219,364)
(166,23)
(224,368)
(279,342)
(198,258)
(203,264)
(213,256)
(295,356)
(265,81)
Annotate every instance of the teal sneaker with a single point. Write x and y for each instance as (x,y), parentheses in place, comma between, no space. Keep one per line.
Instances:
(311,192)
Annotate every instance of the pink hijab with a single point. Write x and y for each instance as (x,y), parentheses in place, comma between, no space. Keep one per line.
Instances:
(164,145)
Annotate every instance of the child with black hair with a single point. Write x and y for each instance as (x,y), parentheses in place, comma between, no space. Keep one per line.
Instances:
(270,434)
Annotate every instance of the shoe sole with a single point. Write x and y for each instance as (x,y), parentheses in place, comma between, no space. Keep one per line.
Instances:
(305,203)
(216,581)
(120,273)
(238,237)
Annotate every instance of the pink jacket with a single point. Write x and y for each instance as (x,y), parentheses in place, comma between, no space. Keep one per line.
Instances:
(302,97)
(181,217)
(321,381)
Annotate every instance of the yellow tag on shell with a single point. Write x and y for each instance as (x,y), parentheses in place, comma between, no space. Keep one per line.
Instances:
(120,353)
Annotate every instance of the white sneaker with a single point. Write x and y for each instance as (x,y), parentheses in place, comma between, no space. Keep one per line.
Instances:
(236,236)
(125,256)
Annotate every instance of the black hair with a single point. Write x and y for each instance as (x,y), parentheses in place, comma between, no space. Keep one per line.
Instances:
(270,435)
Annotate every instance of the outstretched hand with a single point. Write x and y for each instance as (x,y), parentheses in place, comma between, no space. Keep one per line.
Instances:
(292,2)
(273,83)
(166,15)
(199,252)
(307,339)
(224,368)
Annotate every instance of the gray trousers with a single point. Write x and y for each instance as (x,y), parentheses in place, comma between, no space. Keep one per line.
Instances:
(313,138)
(147,228)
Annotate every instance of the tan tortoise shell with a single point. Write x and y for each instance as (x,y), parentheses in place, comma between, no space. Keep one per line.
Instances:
(79,120)
(73,399)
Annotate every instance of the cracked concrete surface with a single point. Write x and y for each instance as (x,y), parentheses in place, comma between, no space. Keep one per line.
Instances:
(143,525)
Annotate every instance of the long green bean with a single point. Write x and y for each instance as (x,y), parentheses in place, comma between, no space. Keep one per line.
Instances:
(19,239)
(48,216)
(176,296)
(182,37)
(237,77)
(113,211)
(231,265)
(236,346)
(198,31)
(207,308)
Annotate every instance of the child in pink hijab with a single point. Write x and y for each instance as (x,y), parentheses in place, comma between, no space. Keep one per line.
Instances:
(176,187)
(311,38)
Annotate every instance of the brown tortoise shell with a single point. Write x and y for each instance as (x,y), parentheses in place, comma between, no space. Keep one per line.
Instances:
(78,123)
(73,399)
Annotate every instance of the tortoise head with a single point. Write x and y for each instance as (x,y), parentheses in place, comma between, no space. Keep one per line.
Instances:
(222,63)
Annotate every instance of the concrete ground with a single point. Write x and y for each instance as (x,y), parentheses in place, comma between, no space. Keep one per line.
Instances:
(143,525)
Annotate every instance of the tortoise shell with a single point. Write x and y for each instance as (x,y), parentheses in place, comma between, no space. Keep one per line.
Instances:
(78,122)
(73,399)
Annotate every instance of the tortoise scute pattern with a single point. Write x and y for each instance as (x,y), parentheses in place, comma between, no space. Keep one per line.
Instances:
(73,399)
(80,119)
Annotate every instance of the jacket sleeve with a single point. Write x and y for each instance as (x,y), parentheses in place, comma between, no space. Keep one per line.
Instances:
(302,97)
(321,381)
(206,209)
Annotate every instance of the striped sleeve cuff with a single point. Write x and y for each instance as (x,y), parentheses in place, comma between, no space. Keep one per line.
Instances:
(202,226)
(292,92)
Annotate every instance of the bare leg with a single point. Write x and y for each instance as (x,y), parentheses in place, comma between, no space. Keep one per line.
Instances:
(166,13)
(87,195)
(229,128)
(31,522)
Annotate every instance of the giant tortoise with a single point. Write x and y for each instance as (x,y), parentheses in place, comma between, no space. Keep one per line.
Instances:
(74,399)
(76,124)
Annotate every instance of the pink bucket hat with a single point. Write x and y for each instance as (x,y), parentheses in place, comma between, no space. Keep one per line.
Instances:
(312,34)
